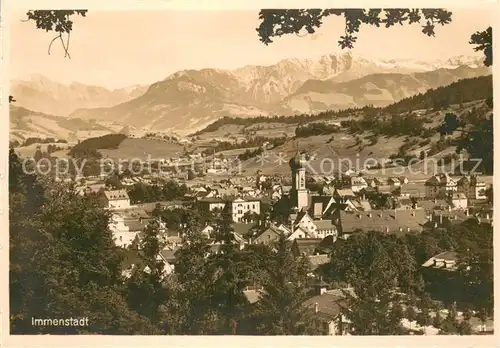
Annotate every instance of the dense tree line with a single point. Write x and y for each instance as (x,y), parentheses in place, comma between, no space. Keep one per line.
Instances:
(296,119)
(142,193)
(460,92)
(110,141)
(63,261)
(34,140)
(252,142)
(391,125)
(250,154)
(475,131)
(394,262)
(311,129)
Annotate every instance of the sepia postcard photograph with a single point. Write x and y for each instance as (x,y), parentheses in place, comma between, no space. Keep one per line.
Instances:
(253,172)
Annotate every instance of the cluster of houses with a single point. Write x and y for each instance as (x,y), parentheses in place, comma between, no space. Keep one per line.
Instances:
(315,222)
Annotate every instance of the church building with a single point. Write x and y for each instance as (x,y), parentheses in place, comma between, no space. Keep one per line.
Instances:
(299,194)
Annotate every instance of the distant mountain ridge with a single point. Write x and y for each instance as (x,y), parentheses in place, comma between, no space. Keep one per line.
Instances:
(41,94)
(376,89)
(191,99)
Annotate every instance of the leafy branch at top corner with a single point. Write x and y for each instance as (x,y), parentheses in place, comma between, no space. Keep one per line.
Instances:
(58,21)
(483,41)
(276,23)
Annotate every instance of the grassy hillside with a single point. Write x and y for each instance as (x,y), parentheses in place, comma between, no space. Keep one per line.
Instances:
(140,149)
(109,141)
(26,123)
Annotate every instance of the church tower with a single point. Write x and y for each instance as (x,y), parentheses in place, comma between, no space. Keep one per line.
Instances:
(299,195)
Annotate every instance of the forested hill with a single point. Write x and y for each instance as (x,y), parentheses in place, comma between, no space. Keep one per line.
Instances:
(110,141)
(462,91)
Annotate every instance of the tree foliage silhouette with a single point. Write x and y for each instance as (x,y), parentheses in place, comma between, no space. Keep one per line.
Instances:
(58,21)
(276,23)
(483,41)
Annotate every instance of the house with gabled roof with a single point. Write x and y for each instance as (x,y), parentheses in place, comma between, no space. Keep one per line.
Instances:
(299,233)
(305,221)
(344,194)
(114,199)
(327,311)
(358,183)
(447,260)
(269,235)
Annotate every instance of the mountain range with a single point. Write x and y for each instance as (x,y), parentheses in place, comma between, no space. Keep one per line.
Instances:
(188,100)
(38,93)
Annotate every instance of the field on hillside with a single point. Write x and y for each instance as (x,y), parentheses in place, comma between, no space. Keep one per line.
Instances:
(338,151)
(26,124)
(141,148)
(29,151)
(235,152)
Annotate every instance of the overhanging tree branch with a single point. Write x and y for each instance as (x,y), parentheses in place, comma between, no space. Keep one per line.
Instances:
(55,20)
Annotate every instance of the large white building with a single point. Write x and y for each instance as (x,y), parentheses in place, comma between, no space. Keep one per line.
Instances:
(123,234)
(115,199)
(240,206)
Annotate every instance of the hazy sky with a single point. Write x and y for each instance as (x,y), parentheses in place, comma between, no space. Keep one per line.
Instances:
(117,49)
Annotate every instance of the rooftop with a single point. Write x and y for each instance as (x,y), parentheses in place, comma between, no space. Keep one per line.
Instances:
(408,220)
(116,195)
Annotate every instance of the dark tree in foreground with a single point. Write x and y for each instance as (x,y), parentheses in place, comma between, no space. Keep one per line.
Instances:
(58,21)
(280,305)
(63,261)
(275,23)
(484,42)
(146,290)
